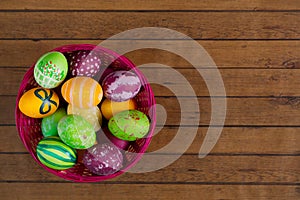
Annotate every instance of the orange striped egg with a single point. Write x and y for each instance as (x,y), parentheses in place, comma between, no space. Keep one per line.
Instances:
(82,92)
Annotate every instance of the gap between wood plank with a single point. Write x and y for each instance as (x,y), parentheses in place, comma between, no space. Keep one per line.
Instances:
(195,154)
(197,39)
(184,68)
(143,11)
(159,183)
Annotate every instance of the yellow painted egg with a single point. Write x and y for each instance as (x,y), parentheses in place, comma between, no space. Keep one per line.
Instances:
(82,92)
(110,108)
(39,103)
(92,115)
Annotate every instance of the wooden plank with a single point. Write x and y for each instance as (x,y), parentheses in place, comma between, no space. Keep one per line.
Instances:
(244,140)
(237,82)
(240,111)
(151,5)
(226,54)
(97,25)
(187,169)
(49,191)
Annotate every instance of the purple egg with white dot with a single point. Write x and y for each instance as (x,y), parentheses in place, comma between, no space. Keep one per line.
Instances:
(83,63)
(121,85)
(103,159)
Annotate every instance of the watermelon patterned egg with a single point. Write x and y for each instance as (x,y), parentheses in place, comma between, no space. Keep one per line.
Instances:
(129,125)
(121,85)
(83,63)
(38,103)
(53,153)
(82,92)
(76,132)
(51,69)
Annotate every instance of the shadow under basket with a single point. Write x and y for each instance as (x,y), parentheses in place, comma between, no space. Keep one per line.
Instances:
(30,129)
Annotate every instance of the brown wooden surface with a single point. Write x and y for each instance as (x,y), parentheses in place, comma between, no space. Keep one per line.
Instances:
(226,54)
(188,169)
(151,5)
(238,82)
(282,141)
(34,191)
(198,25)
(255,44)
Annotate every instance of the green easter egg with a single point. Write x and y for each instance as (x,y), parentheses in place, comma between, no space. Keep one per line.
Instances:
(76,132)
(129,125)
(49,124)
(51,69)
(55,154)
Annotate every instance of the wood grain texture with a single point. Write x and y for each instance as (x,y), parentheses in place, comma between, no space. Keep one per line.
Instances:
(49,191)
(187,169)
(237,82)
(240,111)
(226,54)
(75,191)
(213,25)
(151,5)
(279,141)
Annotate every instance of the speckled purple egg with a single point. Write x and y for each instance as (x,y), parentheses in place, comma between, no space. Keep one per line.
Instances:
(121,85)
(83,63)
(103,159)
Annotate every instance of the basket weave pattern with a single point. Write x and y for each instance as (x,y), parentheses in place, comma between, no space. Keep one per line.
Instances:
(30,129)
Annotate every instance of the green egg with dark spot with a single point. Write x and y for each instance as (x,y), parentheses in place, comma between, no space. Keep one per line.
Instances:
(129,125)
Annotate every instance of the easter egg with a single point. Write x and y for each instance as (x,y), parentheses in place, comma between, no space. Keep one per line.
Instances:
(49,124)
(76,132)
(103,159)
(92,115)
(51,69)
(83,63)
(82,92)
(53,153)
(110,108)
(38,103)
(129,125)
(121,85)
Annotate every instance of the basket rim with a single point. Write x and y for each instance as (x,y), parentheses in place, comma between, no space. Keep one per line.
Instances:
(152,114)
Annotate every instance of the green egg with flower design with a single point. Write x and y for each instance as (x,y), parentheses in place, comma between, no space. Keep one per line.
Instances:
(51,70)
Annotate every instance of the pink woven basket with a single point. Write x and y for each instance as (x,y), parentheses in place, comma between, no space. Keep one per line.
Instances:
(30,129)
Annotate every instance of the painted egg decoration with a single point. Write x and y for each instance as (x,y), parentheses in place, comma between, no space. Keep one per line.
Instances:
(49,124)
(129,125)
(121,85)
(92,115)
(83,63)
(76,132)
(103,159)
(39,103)
(110,108)
(55,154)
(51,70)
(82,92)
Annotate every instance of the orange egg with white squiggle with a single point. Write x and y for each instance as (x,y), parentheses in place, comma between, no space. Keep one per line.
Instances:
(82,92)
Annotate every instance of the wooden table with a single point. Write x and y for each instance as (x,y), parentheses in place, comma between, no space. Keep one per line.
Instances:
(255,44)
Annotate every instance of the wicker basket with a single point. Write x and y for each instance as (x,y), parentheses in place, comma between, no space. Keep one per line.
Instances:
(30,129)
